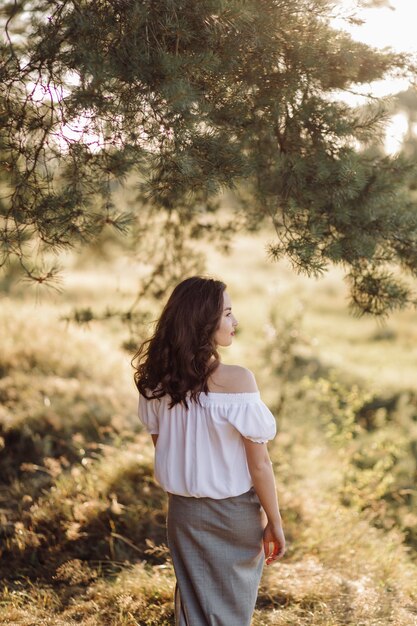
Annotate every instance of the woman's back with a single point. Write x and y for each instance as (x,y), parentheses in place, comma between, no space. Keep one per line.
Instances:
(232,379)
(209,426)
(200,449)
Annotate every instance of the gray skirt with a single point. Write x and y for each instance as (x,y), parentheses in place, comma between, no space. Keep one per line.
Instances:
(217,552)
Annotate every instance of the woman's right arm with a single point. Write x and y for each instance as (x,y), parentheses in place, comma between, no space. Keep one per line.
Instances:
(261,471)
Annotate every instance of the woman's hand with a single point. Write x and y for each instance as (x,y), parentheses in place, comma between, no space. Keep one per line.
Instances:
(274,542)
(263,479)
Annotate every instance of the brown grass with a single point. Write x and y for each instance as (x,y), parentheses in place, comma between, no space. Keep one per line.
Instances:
(81,519)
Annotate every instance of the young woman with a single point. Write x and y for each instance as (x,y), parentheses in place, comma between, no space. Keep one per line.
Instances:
(210,428)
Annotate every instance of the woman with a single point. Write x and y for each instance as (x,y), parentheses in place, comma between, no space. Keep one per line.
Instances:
(210,428)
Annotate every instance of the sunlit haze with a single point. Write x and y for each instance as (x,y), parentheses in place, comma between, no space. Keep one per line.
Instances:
(391,26)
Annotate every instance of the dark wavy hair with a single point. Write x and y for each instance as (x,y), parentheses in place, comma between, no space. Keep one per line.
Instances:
(181,354)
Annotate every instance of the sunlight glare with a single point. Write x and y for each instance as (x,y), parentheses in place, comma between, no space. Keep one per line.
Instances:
(395,132)
(388,27)
(391,26)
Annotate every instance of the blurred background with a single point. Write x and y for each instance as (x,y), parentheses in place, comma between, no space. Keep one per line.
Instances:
(82,522)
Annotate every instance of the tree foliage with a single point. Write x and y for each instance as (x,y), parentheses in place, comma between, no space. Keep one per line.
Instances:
(192,97)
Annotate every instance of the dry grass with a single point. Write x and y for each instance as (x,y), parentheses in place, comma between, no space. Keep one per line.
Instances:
(79,506)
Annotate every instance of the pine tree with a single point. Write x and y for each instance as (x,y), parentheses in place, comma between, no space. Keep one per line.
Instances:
(195,96)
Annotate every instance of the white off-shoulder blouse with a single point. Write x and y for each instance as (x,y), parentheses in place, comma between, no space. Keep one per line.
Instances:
(200,450)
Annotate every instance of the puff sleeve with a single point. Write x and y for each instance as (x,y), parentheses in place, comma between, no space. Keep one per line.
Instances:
(253,420)
(148,414)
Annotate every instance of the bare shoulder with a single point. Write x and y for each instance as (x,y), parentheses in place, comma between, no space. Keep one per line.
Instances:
(232,379)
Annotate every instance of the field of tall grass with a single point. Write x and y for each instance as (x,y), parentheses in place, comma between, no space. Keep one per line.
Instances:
(82,522)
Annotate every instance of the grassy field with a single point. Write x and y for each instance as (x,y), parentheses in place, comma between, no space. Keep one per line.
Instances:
(81,519)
